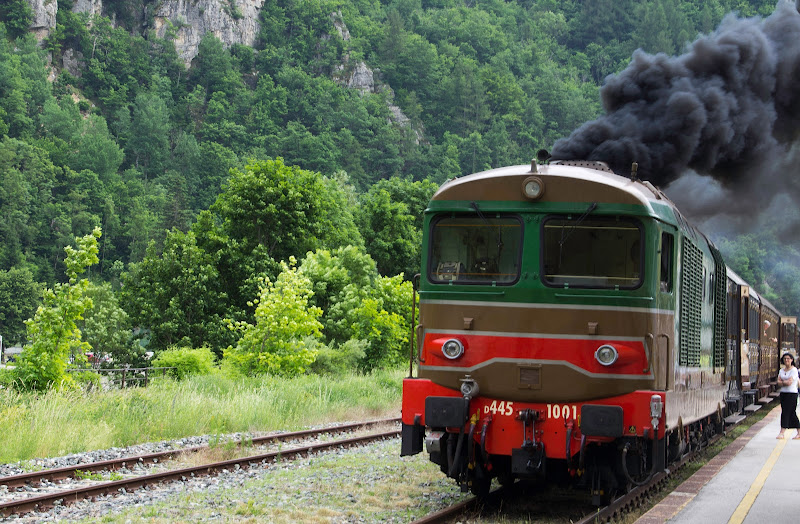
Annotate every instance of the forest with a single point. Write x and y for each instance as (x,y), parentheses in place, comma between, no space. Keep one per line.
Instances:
(255,194)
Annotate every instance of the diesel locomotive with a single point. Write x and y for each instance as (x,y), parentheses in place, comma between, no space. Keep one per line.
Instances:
(574,327)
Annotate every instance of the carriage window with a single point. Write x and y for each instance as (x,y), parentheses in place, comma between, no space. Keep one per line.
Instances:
(597,252)
(475,250)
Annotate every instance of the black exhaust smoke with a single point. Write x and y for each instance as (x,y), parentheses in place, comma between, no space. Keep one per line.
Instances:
(729,103)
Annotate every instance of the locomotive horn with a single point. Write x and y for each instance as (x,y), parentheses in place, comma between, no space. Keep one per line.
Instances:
(543,155)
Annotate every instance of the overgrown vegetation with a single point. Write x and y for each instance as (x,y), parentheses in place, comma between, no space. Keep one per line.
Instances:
(59,422)
(53,335)
(184,362)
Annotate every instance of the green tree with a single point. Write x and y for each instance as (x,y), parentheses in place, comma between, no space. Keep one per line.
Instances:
(105,324)
(95,149)
(277,344)
(379,315)
(14,119)
(389,234)
(333,275)
(19,297)
(27,210)
(175,293)
(17,16)
(53,333)
(386,335)
(148,137)
(286,210)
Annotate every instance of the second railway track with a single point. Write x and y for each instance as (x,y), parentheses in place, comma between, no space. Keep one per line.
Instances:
(55,495)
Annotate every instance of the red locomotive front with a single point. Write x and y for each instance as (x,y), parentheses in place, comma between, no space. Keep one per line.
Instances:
(546,343)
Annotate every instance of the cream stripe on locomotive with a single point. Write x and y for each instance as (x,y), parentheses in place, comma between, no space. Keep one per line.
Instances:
(530,361)
(531,305)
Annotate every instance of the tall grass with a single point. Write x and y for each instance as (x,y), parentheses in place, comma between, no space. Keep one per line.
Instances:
(58,423)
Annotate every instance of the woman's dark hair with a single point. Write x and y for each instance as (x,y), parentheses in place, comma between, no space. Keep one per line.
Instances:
(788,355)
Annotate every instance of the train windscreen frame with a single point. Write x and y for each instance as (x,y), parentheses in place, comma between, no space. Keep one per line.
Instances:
(601,252)
(483,249)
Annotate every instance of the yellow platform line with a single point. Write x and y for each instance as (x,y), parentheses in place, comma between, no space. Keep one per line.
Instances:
(755,488)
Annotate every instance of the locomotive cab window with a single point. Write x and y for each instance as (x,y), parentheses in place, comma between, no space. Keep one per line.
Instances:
(596,252)
(475,250)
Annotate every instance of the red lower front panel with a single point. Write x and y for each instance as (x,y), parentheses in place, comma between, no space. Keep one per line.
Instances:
(504,429)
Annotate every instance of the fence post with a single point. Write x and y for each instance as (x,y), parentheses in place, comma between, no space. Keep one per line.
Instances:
(124,371)
(145,376)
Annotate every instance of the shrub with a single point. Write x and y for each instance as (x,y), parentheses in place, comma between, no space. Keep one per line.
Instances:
(286,330)
(7,378)
(339,360)
(86,379)
(186,361)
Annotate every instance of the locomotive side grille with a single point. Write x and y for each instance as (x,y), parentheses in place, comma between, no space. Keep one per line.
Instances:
(691,303)
(720,305)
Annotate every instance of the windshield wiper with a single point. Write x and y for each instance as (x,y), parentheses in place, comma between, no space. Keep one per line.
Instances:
(478,210)
(566,233)
(486,220)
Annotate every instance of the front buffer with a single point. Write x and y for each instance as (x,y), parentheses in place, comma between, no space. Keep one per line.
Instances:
(606,444)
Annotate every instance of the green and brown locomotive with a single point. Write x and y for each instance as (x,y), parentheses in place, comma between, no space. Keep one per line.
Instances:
(574,327)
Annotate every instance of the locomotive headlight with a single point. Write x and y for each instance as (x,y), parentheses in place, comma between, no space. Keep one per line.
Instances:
(532,187)
(606,355)
(453,348)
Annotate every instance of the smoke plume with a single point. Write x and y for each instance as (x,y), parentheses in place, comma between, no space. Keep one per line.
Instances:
(727,108)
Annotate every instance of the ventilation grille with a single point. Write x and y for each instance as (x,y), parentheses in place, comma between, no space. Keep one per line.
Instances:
(720,303)
(590,164)
(691,304)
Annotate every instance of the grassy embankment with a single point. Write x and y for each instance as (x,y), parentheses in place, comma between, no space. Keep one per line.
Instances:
(58,423)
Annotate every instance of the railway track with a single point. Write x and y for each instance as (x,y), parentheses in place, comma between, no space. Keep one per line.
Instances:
(504,497)
(90,489)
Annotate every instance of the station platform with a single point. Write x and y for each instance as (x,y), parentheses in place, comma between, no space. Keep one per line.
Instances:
(755,479)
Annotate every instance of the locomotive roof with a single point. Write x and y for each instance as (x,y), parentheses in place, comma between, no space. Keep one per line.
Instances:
(588,181)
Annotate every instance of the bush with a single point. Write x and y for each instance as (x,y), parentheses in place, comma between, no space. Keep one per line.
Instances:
(339,360)
(86,379)
(186,361)
(7,378)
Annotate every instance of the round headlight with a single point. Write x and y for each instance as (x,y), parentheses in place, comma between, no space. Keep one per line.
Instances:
(606,355)
(532,187)
(453,348)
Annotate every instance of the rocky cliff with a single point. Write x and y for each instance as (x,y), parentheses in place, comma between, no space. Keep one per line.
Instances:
(44,17)
(183,21)
(233,22)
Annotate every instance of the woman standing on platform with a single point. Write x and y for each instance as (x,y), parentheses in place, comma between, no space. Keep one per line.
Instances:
(788,379)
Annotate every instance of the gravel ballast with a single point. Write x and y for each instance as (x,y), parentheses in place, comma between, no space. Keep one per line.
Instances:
(364,484)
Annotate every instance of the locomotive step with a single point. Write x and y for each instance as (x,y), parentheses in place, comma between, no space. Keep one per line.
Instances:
(734,419)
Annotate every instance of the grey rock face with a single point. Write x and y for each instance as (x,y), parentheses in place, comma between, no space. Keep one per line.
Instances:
(187,21)
(44,17)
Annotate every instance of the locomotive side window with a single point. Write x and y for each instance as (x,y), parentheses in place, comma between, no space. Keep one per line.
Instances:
(597,252)
(475,250)
(667,241)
